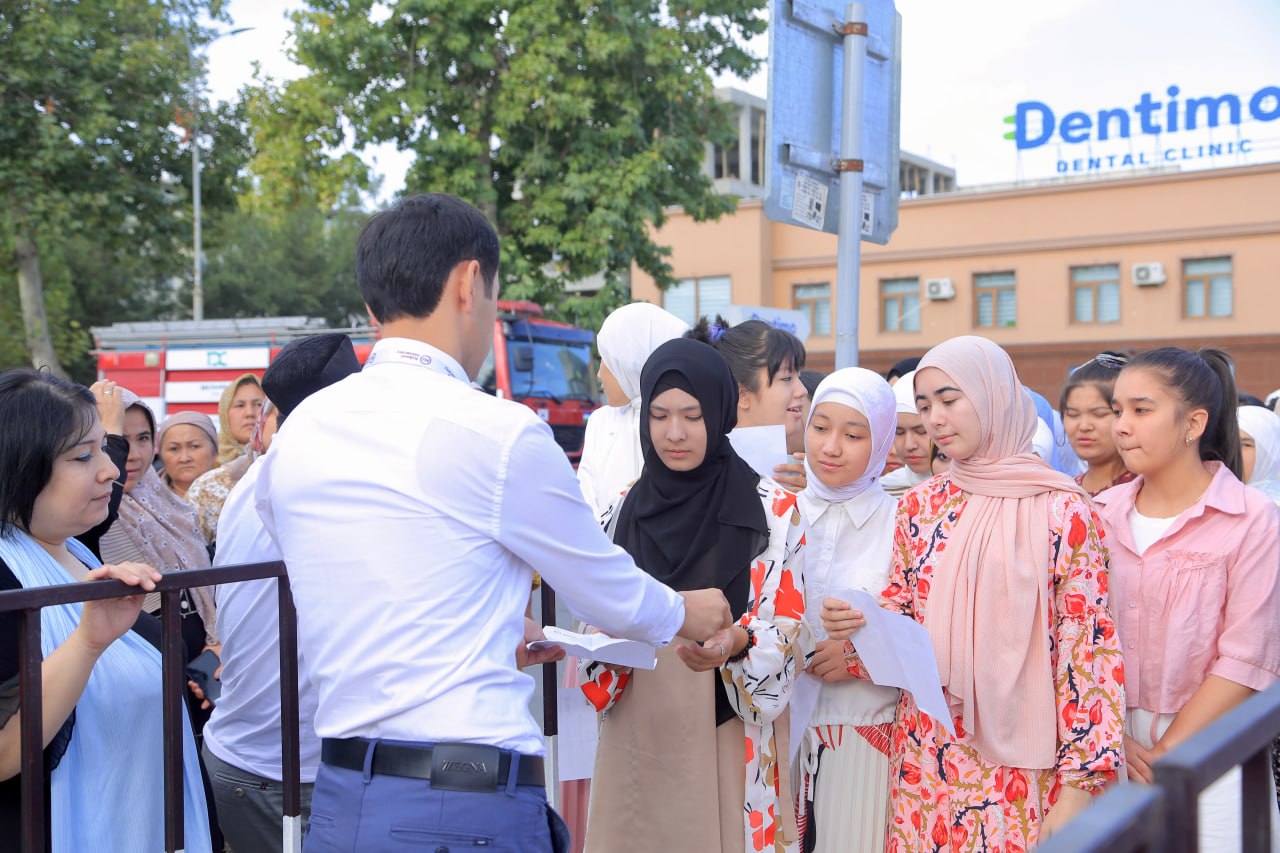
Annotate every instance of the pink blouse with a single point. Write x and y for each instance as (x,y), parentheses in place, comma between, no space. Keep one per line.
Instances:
(1203,600)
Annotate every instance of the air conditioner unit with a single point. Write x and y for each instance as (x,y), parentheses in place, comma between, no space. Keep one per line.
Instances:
(1146,275)
(940,289)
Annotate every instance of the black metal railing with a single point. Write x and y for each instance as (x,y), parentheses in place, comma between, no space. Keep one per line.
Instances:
(30,601)
(1164,816)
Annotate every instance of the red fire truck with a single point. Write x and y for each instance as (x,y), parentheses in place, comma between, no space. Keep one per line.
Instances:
(186,364)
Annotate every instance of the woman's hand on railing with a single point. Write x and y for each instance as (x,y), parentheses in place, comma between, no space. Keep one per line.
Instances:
(102,622)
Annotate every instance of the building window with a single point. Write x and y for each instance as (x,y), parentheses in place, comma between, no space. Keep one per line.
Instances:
(1207,288)
(814,300)
(1095,294)
(995,301)
(691,298)
(900,305)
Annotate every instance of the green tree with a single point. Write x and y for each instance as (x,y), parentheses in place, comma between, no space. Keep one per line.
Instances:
(90,97)
(572,123)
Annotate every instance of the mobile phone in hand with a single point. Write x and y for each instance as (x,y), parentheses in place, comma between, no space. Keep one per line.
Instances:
(201,671)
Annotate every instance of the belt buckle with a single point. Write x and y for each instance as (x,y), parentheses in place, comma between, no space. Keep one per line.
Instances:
(464,767)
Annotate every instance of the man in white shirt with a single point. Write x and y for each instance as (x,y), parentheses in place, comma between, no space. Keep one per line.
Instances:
(242,738)
(411,510)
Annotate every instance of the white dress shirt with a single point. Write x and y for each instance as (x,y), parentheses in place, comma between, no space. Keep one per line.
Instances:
(412,510)
(849,546)
(244,730)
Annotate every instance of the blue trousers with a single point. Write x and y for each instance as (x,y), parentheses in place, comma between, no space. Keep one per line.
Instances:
(353,811)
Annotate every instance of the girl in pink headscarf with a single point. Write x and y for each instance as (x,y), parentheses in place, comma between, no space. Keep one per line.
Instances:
(1001,559)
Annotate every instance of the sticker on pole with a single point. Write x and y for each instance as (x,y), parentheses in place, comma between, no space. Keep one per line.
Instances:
(868,214)
(809,206)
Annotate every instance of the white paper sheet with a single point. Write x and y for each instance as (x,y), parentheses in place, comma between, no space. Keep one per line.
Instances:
(804,698)
(599,647)
(898,652)
(763,447)
(579,735)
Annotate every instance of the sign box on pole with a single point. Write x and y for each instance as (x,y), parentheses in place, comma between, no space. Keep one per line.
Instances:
(806,64)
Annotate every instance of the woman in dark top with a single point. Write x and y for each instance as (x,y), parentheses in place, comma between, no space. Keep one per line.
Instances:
(101,681)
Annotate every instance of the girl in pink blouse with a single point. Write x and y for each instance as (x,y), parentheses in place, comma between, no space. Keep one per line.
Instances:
(1195,559)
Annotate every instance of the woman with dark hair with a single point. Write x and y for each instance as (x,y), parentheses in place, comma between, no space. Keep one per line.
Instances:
(766,363)
(1086,413)
(1195,559)
(692,757)
(101,680)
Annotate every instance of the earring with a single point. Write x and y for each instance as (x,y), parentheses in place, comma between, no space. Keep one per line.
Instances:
(1188,441)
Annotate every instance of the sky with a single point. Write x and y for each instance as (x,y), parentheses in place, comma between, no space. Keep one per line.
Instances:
(966,66)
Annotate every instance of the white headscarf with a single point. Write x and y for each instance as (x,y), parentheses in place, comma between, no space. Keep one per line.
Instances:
(904,391)
(1042,441)
(611,455)
(868,393)
(897,482)
(629,335)
(1263,427)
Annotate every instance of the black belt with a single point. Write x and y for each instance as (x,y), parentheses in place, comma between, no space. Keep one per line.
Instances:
(449,766)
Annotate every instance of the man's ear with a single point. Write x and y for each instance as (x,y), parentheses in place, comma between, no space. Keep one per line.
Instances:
(373,321)
(466,285)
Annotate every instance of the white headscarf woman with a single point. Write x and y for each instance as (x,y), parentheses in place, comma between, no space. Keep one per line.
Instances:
(611,455)
(1261,428)
(897,482)
(841,770)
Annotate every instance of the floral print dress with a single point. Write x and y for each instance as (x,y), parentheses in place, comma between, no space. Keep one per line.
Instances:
(758,686)
(944,796)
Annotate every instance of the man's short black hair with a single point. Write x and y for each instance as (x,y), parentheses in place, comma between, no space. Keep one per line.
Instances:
(41,417)
(405,253)
(902,368)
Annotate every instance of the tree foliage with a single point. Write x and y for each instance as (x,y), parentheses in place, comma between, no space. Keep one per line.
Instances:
(90,152)
(573,124)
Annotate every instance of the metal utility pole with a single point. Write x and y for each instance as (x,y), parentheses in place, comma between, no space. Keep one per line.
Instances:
(197,261)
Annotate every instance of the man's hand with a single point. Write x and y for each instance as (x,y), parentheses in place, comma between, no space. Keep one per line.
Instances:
(524,657)
(828,662)
(839,619)
(706,611)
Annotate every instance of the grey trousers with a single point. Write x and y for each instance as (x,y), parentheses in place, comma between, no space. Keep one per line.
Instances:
(251,807)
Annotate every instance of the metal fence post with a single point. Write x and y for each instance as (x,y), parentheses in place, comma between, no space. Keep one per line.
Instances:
(32,732)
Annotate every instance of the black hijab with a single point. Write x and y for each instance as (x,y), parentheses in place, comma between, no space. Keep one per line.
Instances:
(702,528)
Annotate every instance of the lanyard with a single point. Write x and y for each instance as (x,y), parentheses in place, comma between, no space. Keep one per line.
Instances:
(404,351)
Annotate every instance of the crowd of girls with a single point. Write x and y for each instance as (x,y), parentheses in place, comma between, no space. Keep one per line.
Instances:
(1082,624)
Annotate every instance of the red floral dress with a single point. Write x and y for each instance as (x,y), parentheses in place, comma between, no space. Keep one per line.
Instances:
(944,796)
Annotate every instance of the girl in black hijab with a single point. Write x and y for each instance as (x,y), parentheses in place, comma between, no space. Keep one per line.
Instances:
(690,758)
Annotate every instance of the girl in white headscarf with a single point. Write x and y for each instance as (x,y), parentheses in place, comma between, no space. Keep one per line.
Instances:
(611,456)
(911,444)
(1260,449)
(842,769)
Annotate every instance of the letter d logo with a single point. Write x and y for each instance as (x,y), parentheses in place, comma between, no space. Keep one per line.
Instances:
(1026,113)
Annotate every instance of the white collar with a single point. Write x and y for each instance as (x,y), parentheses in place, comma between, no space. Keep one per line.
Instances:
(859,508)
(415,354)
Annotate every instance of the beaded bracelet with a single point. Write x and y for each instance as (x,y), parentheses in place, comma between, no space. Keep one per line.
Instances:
(751,641)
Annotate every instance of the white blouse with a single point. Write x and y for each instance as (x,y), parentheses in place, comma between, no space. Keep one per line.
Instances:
(848,546)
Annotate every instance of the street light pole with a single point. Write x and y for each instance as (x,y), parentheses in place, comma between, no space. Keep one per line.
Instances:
(197,263)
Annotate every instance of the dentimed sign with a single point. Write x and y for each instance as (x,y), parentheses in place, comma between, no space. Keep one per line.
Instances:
(1168,119)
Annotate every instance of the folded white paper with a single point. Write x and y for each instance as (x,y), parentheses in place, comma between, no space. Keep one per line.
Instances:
(898,652)
(599,647)
(763,447)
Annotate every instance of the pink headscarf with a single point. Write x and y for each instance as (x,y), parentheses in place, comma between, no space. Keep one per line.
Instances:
(988,612)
